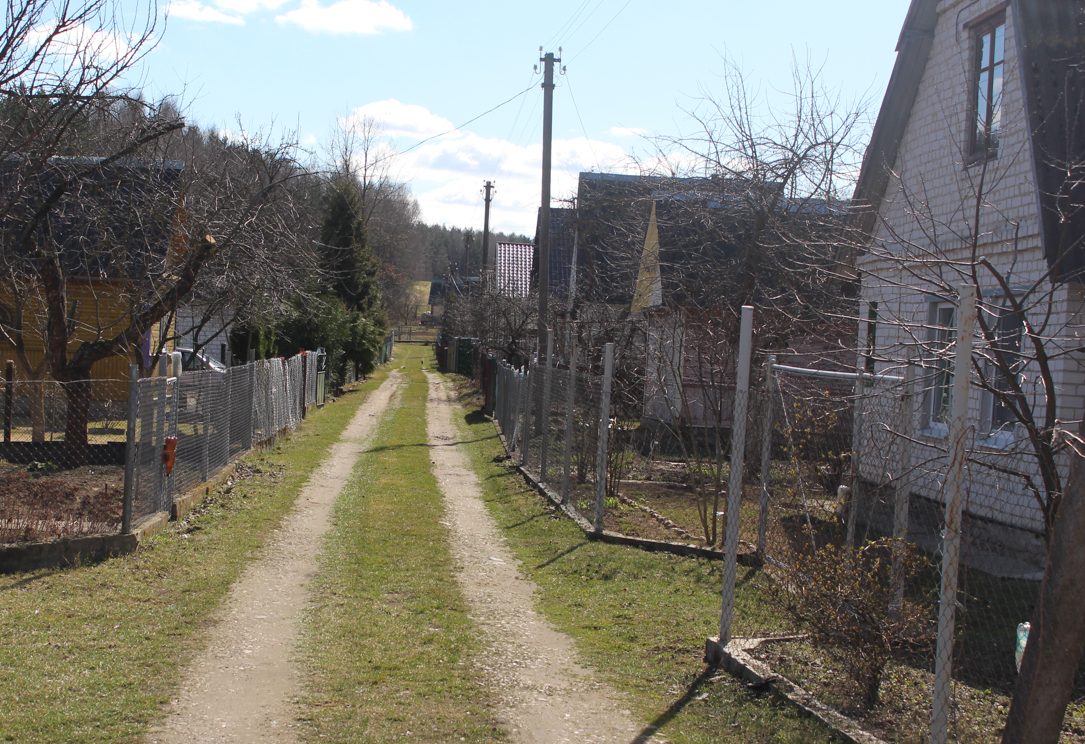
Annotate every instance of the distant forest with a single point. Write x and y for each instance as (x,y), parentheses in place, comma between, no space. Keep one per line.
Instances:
(443,248)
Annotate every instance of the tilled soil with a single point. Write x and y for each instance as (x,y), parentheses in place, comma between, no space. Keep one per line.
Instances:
(243,687)
(545,694)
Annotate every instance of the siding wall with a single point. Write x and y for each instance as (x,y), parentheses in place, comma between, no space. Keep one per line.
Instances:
(927,214)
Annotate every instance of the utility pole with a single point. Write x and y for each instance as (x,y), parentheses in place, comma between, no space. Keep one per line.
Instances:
(489,265)
(548,61)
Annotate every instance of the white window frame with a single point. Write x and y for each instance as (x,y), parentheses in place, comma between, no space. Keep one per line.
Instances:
(941,333)
(1001,435)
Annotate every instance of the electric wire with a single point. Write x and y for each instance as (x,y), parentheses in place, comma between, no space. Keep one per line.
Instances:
(603,29)
(595,157)
(393,155)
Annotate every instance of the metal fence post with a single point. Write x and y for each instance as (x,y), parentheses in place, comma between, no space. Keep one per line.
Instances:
(766,459)
(544,421)
(734,485)
(130,450)
(570,414)
(951,541)
(901,496)
(604,433)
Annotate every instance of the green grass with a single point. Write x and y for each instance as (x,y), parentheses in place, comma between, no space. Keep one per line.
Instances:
(389,644)
(94,653)
(638,618)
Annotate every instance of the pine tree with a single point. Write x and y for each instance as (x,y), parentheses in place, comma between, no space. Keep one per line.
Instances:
(352,271)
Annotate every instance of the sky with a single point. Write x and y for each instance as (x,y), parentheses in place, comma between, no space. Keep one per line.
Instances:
(452,89)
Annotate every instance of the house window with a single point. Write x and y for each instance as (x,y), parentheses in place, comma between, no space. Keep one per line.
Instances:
(986,100)
(1004,369)
(942,319)
(871,336)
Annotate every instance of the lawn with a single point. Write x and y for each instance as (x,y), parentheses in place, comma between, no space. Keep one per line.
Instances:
(94,653)
(389,646)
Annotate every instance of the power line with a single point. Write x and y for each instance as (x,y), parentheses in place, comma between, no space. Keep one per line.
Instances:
(467,123)
(557,36)
(600,32)
(587,138)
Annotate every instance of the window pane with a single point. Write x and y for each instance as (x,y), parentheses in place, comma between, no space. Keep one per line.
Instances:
(1000,44)
(985,50)
(996,101)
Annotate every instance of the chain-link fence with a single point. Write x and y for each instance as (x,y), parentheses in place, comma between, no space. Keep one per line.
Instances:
(74,453)
(62,459)
(896,566)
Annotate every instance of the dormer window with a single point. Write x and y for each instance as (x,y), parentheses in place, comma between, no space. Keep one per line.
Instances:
(990,44)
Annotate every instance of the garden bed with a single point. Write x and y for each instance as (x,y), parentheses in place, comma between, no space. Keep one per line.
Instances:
(39,503)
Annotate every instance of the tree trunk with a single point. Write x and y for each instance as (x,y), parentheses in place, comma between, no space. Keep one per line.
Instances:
(76,442)
(37,410)
(1057,637)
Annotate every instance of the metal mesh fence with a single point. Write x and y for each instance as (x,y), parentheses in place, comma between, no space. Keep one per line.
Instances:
(844,498)
(66,445)
(61,459)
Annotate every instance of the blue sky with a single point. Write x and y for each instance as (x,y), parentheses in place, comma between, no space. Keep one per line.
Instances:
(422,68)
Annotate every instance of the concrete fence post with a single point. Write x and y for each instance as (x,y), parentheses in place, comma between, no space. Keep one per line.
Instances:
(766,457)
(570,420)
(901,495)
(954,496)
(130,450)
(9,398)
(604,434)
(544,419)
(734,484)
(525,415)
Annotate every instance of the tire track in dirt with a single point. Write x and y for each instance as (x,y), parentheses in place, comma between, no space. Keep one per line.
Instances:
(243,687)
(545,694)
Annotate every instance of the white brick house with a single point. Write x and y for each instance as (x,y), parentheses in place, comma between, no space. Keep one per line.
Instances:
(966,182)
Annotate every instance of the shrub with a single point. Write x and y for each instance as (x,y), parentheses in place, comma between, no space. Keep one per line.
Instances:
(845,597)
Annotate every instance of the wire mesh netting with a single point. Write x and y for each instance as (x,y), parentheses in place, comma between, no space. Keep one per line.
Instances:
(62,459)
(844,500)
(66,445)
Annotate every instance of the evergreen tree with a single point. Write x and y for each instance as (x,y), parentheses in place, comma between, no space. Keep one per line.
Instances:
(353,273)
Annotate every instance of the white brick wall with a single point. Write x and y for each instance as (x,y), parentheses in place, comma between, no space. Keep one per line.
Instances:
(922,249)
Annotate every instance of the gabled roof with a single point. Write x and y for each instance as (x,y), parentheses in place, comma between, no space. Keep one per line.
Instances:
(1051,46)
(512,270)
(114,219)
(562,244)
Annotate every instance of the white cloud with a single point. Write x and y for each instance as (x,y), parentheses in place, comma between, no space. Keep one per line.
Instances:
(397,119)
(366,17)
(446,174)
(81,41)
(193,10)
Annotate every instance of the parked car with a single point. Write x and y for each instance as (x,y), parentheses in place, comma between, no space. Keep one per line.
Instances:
(429,319)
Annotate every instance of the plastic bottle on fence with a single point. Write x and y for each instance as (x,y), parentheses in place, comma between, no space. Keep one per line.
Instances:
(1022,640)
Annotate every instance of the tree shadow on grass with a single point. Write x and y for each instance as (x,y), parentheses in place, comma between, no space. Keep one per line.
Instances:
(561,555)
(430,445)
(31,577)
(675,708)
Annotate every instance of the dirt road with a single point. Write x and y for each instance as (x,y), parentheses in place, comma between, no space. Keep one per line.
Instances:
(243,687)
(546,695)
